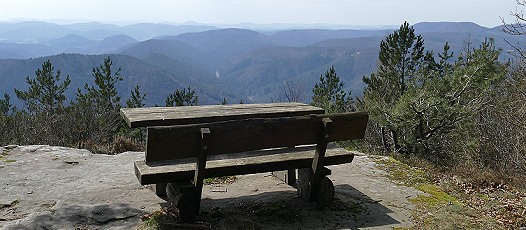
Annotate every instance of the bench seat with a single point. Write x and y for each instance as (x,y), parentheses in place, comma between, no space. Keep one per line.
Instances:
(237,164)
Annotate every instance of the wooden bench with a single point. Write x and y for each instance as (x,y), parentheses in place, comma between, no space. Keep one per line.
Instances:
(214,141)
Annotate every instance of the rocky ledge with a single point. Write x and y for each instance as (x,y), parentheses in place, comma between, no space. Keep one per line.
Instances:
(47,187)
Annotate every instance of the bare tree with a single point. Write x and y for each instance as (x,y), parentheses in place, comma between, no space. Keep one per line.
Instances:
(292,91)
(517,27)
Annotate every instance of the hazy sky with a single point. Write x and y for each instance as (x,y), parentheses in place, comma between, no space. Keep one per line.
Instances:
(345,12)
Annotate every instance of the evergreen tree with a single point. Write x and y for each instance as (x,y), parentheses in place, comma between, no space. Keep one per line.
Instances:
(182,98)
(5,105)
(45,93)
(105,94)
(402,58)
(434,107)
(136,99)
(328,94)
(97,110)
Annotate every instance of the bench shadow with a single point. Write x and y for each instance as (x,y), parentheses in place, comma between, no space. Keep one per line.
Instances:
(103,216)
(351,209)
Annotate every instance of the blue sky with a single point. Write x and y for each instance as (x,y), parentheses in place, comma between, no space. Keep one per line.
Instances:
(342,12)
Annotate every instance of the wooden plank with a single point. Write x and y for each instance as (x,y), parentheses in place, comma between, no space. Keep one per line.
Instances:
(176,142)
(167,143)
(165,116)
(347,126)
(237,164)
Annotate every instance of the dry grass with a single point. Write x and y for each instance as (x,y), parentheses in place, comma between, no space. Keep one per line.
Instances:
(463,197)
(220,180)
(123,144)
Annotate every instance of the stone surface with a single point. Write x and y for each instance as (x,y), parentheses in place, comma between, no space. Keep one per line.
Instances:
(46,187)
(364,198)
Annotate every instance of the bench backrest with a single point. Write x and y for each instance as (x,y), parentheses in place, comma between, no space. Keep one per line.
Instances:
(184,141)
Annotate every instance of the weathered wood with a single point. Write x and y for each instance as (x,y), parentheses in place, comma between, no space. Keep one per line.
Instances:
(347,126)
(164,116)
(317,162)
(160,189)
(199,175)
(181,195)
(175,142)
(191,143)
(303,184)
(237,164)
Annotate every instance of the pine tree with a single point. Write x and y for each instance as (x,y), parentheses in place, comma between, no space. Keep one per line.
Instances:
(182,98)
(5,105)
(97,109)
(328,94)
(105,94)
(136,99)
(402,58)
(45,93)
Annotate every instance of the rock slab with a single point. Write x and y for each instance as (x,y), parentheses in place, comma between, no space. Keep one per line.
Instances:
(48,187)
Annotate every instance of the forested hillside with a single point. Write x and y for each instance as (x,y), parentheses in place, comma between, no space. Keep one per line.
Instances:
(246,64)
(158,77)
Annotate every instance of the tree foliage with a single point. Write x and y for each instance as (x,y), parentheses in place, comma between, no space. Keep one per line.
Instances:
(45,93)
(184,97)
(91,120)
(328,94)
(5,105)
(402,59)
(104,93)
(136,99)
(97,109)
(419,105)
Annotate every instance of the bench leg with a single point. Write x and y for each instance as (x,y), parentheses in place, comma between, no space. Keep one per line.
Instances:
(318,160)
(160,189)
(326,189)
(182,196)
(287,176)
(304,177)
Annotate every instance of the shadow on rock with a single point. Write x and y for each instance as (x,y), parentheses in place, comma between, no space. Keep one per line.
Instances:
(366,212)
(351,209)
(102,216)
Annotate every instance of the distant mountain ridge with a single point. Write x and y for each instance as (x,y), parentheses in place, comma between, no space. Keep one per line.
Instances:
(231,63)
